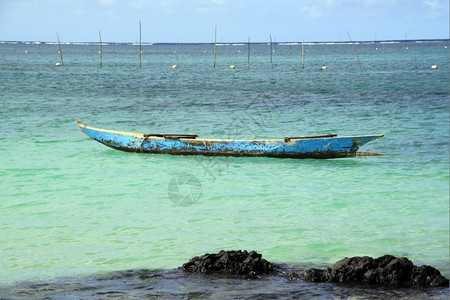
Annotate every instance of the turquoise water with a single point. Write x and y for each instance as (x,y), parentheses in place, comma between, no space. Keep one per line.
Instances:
(71,206)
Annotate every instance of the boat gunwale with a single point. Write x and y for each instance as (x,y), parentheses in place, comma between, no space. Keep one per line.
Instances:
(142,136)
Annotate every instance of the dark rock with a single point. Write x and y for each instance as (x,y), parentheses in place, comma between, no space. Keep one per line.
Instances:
(292,276)
(396,273)
(243,263)
(386,270)
(317,275)
(384,260)
(428,276)
(352,269)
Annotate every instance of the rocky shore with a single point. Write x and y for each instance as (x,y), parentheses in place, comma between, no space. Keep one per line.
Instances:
(246,275)
(386,270)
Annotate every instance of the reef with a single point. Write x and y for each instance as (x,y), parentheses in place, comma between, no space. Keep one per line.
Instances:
(241,263)
(224,276)
(386,270)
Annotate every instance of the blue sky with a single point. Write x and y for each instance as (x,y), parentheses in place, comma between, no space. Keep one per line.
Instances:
(182,21)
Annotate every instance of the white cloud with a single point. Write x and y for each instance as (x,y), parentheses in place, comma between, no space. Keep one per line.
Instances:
(220,2)
(79,11)
(436,8)
(168,7)
(320,8)
(197,6)
(331,3)
(206,6)
(433,4)
(107,2)
(138,4)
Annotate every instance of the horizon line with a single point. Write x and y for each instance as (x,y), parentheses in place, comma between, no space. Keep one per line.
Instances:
(225,43)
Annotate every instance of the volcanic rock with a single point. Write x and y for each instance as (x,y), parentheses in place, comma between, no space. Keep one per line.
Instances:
(242,263)
(386,270)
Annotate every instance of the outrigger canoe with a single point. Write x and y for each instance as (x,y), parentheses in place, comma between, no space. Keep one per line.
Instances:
(321,146)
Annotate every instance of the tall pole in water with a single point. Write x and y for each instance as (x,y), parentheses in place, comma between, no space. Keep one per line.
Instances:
(176,56)
(354,50)
(248,54)
(271,62)
(415,60)
(215,42)
(59,50)
(303,53)
(101,50)
(140,45)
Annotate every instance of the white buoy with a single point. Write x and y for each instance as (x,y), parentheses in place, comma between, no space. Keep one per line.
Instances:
(434,66)
(26,51)
(58,64)
(324,68)
(232,67)
(174,66)
(204,51)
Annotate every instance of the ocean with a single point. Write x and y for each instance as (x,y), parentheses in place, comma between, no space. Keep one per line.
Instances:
(73,210)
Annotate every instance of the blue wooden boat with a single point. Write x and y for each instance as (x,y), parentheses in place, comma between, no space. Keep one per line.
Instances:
(321,146)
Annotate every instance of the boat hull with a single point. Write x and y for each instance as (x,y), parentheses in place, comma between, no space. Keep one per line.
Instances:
(311,147)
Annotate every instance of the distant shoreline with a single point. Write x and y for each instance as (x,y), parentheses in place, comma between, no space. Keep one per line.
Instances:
(224,43)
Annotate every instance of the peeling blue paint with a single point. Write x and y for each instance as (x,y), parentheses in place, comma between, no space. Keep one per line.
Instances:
(327,147)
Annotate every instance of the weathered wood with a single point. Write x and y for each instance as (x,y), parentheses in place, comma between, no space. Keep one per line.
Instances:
(186,144)
(288,138)
(368,154)
(171,135)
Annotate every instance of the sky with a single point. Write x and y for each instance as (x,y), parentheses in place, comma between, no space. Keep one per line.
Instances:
(193,21)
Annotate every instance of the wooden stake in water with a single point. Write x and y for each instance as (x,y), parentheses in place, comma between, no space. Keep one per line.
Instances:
(140,45)
(303,53)
(375,43)
(101,48)
(271,62)
(354,50)
(415,60)
(215,44)
(176,56)
(60,51)
(248,54)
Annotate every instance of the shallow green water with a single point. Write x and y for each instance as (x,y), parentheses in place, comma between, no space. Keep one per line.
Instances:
(71,206)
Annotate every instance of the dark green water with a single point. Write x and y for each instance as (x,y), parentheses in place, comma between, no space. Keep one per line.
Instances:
(70,206)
